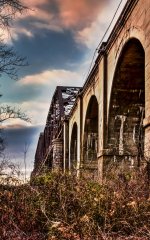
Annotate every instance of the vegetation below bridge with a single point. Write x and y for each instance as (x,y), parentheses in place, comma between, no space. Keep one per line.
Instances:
(57,206)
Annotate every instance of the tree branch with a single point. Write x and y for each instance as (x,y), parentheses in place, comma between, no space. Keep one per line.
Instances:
(8,112)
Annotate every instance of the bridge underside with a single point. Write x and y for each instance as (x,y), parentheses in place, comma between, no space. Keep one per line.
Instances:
(90,141)
(73,148)
(127,109)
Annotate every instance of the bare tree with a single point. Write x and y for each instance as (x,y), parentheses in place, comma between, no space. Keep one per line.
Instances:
(26,148)
(8,11)
(9,63)
(9,59)
(2,145)
(8,112)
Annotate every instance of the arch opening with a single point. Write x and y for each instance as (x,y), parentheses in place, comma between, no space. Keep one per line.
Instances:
(127,105)
(73,149)
(90,142)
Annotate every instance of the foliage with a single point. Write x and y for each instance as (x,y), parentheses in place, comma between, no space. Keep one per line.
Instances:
(58,206)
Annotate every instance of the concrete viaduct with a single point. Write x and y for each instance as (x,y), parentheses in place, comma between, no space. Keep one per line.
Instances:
(108,119)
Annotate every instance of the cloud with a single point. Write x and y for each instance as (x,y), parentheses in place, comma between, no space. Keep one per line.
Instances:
(15,141)
(19,30)
(57,15)
(16,137)
(92,34)
(40,86)
(53,77)
(38,110)
(79,13)
(56,33)
(33,93)
(33,3)
(49,50)
(15,123)
(37,107)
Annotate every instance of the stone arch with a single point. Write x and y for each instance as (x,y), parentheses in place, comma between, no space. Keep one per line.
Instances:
(132,32)
(90,141)
(74,146)
(127,102)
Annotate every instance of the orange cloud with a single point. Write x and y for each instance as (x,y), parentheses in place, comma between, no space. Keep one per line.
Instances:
(33,3)
(57,15)
(79,13)
(83,17)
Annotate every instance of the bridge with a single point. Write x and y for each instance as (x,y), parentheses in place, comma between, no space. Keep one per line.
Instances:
(108,119)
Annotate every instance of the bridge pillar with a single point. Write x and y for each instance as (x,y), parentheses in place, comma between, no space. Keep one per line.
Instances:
(146,122)
(57,154)
(66,146)
(101,160)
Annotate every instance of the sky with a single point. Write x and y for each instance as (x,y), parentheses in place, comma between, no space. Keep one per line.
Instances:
(58,38)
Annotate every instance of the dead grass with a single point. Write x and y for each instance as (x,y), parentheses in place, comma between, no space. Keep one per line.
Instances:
(57,206)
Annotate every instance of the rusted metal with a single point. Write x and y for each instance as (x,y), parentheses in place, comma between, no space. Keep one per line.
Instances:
(61,105)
